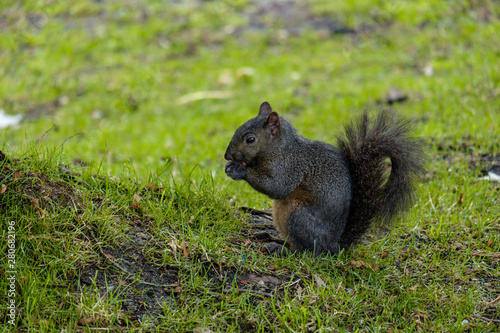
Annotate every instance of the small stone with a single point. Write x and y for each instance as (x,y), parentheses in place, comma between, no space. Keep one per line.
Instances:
(395,95)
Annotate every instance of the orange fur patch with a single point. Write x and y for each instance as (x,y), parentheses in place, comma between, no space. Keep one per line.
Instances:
(283,208)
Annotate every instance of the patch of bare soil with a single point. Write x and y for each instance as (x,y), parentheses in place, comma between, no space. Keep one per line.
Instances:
(465,152)
(478,163)
(292,17)
(144,287)
(486,163)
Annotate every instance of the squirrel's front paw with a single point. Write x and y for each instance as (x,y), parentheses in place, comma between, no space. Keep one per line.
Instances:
(236,170)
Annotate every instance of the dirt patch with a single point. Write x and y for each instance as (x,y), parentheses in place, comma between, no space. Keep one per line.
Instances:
(480,164)
(292,17)
(486,163)
(465,152)
(124,271)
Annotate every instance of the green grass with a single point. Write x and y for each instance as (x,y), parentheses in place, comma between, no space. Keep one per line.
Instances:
(104,89)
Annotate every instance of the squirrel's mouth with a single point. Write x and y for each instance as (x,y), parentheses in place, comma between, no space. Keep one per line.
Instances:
(240,163)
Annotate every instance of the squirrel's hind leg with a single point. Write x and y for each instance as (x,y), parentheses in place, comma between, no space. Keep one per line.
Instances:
(308,233)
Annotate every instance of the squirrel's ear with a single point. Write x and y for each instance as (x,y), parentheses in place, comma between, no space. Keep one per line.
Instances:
(265,109)
(272,123)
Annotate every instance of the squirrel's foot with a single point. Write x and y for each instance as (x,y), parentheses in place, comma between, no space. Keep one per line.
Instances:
(268,237)
(276,249)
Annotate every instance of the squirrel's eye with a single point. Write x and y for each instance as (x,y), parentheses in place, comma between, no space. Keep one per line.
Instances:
(250,139)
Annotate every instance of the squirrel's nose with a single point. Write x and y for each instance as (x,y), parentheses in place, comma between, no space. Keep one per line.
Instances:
(238,157)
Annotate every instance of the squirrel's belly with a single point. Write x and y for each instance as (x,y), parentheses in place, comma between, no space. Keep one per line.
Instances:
(283,208)
(281,212)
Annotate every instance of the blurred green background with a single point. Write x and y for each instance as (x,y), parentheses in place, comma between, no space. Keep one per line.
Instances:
(142,87)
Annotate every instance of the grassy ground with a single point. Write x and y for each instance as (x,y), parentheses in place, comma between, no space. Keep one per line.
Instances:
(115,178)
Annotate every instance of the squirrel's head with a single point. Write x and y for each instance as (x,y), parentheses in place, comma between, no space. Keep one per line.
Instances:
(254,137)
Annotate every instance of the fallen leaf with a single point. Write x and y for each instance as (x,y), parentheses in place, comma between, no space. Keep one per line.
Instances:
(17,174)
(3,188)
(184,249)
(489,243)
(461,199)
(413,288)
(247,242)
(271,267)
(385,254)
(357,263)
(201,95)
(86,321)
(319,282)
(150,187)
(137,197)
(362,263)
(245,281)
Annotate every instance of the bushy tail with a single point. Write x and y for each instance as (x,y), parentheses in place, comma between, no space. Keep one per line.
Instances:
(377,198)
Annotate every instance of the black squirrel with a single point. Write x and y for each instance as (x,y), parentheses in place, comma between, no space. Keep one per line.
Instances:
(326,198)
